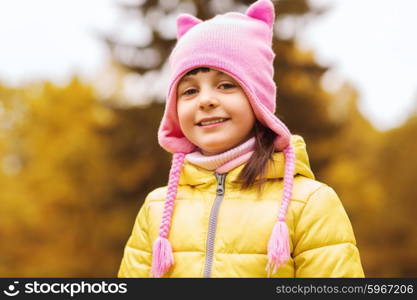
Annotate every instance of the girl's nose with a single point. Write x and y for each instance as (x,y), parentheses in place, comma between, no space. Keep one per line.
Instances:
(207,100)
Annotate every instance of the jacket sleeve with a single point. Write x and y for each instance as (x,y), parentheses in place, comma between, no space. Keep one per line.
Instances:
(324,243)
(137,257)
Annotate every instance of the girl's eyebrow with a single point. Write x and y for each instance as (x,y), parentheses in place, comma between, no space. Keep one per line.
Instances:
(185,79)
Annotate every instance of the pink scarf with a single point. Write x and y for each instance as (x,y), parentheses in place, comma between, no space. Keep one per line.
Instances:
(226,161)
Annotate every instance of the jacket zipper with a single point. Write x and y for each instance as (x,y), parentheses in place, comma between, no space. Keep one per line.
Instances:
(211,234)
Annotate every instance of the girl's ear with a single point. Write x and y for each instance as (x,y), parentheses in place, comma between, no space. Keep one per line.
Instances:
(262,10)
(184,23)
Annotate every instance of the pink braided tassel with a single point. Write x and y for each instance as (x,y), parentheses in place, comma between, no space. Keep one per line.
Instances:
(279,244)
(162,256)
(278,247)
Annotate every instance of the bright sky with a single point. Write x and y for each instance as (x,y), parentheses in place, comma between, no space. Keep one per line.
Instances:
(51,39)
(371,43)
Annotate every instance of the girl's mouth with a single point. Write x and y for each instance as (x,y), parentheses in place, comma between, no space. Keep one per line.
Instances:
(211,124)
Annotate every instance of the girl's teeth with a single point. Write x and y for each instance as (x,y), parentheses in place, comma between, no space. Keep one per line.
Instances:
(212,122)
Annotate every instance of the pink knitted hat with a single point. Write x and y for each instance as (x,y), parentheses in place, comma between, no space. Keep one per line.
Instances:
(239,45)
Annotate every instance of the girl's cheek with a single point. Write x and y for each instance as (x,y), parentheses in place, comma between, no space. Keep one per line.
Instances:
(185,113)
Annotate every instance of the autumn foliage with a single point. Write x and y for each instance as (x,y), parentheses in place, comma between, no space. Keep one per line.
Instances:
(75,166)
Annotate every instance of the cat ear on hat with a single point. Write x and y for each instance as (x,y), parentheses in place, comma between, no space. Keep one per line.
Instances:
(262,10)
(185,22)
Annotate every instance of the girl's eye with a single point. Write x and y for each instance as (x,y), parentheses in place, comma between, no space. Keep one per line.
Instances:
(227,86)
(190,92)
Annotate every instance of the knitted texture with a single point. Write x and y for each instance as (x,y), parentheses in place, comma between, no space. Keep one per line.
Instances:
(162,257)
(226,161)
(239,45)
(279,245)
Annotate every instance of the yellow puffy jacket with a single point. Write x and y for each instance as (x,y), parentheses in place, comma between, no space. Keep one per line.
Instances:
(322,242)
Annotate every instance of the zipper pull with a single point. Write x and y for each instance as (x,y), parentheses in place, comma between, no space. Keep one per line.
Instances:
(220,183)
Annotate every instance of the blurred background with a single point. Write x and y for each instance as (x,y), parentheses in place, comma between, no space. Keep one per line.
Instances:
(82,87)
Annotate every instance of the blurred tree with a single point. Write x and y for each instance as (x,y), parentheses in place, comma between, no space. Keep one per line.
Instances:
(396,170)
(71,171)
(75,167)
(329,121)
(300,94)
(157,21)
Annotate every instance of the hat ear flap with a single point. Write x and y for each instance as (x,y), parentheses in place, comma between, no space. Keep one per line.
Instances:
(262,10)
(184,23)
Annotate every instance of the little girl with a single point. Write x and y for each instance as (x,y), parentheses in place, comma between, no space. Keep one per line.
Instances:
(241,199)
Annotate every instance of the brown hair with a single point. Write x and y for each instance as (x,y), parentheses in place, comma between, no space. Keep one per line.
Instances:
(256,166)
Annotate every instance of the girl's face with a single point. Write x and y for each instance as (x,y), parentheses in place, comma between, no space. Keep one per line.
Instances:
(211,95)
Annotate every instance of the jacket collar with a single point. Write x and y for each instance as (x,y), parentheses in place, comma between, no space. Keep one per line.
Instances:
(194,175)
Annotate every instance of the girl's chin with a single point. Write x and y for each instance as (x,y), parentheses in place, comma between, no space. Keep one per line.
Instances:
(213,150)
(212,145)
